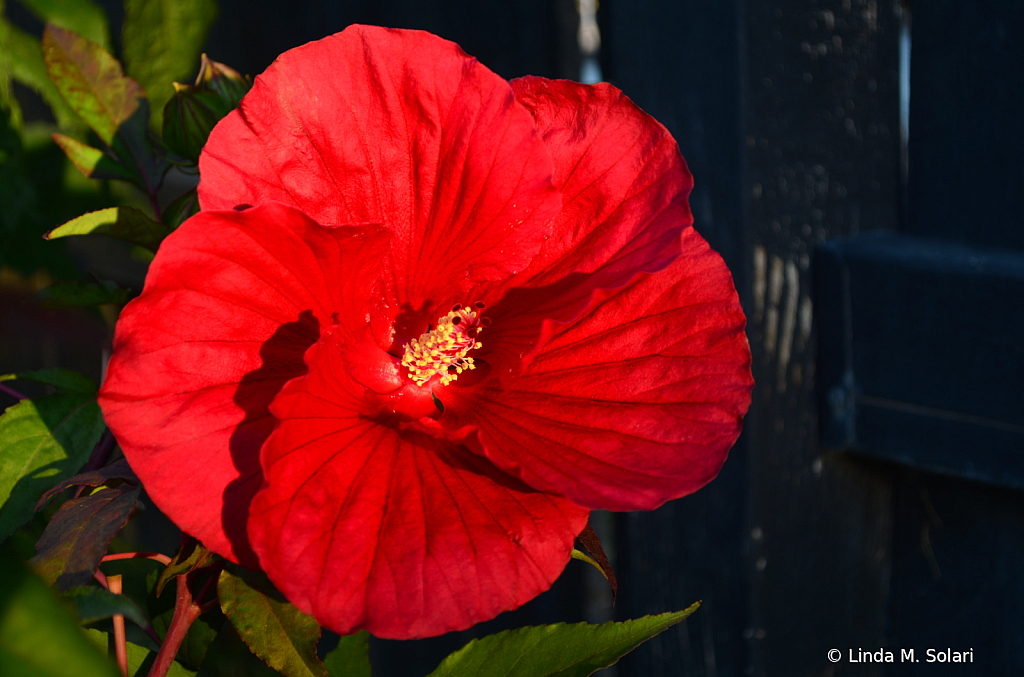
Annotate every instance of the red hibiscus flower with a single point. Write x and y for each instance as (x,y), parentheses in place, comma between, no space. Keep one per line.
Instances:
(426,321)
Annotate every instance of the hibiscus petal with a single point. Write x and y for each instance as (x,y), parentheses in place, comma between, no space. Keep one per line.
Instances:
(624,183)
(365,525)
(625,188)
(400,128)
(231,303)
(635,404)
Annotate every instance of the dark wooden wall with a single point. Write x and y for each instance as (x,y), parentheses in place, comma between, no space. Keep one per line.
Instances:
(788,114)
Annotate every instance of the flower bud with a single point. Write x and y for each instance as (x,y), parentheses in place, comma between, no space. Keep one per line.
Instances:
(189,117)
(229,84)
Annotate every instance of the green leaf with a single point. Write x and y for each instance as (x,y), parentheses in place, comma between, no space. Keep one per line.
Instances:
(24,58)
(183,207)
(124,223)
(75,294)
(62,379)
(555,650)
(92,604)
(140,659)
(81,16)
(228,656)
(190,557)
(275,630)
(351,657)
(92,83)
(162,40)
(79,533)
(45,441)
(584,557)
(38,636)
(93,162)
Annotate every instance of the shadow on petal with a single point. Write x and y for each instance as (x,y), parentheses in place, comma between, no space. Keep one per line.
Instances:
(281,361)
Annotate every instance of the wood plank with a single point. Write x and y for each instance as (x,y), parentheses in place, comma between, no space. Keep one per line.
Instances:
(965,144)
(821,124)
(921,357)
(956,574)
(530,37)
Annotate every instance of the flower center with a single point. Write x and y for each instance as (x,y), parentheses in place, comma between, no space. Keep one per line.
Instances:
(443,350)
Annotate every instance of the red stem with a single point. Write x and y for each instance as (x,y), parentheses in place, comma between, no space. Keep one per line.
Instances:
(152,201)
(186,611)
(12,392)
(102,580)
(120,643)
(101,452)
(163,559)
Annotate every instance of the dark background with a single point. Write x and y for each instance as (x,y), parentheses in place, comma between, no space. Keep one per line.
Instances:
(874,498)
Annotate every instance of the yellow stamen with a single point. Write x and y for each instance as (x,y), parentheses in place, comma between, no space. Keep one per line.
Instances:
(443,350)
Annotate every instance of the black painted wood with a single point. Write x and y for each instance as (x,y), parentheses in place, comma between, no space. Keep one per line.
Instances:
(822,157)
(528,37)
(956,575)
(967,95)
(798,100)
(921,359)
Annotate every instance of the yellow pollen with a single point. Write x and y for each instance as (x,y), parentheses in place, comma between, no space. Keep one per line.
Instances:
(443,350)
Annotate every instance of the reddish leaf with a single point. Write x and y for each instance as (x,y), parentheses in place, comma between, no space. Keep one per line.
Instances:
(77,537)
(114,106)
(92,83)
(118,470)
(589,540)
